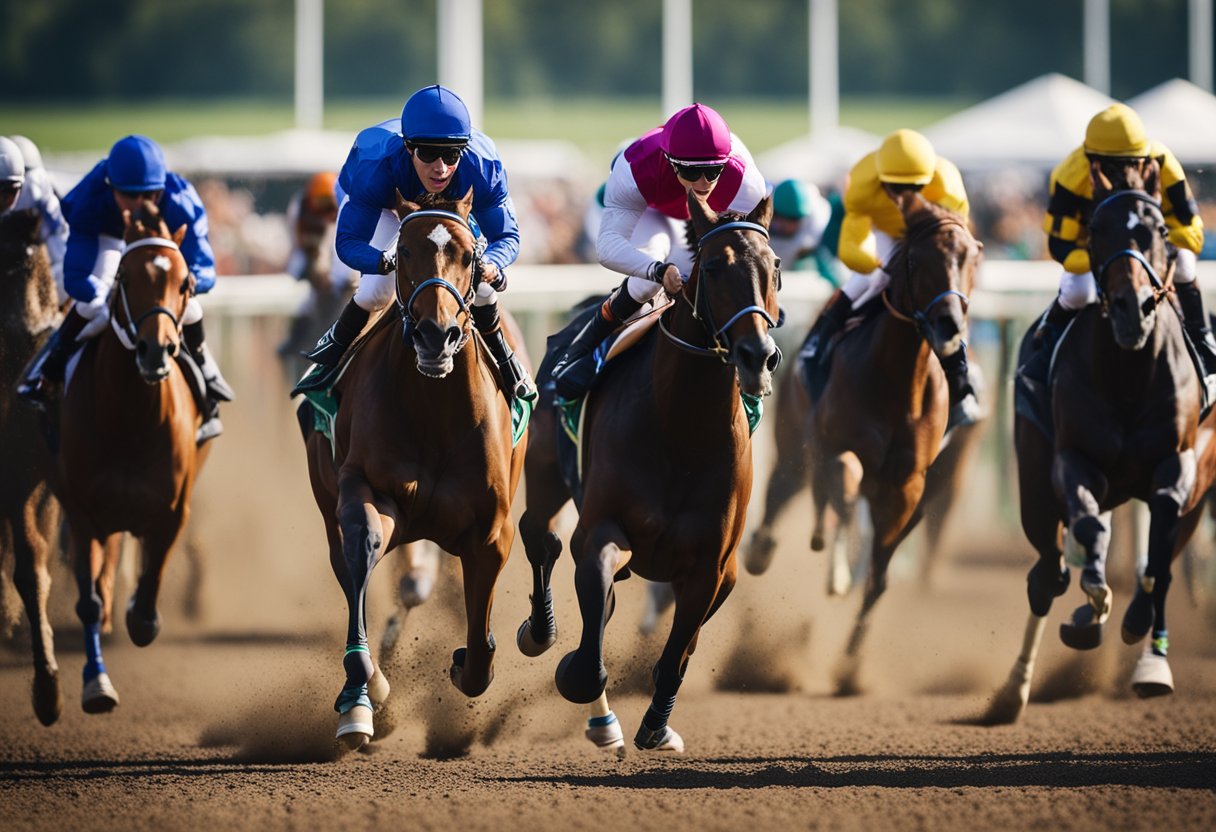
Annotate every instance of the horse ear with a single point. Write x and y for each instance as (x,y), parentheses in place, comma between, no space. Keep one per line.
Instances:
(465,206)
(762,214)
(179,235)
(404,206)
(702,216)
(1103,187)
(126,219)
(908,202)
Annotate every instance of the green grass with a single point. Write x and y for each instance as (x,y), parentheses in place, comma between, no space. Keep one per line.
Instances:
(596,126)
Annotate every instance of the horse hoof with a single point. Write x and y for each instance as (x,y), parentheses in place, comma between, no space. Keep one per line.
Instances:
(99,696)
(528,645)
(355,728)
(456,674)
(48,698)
(759,556)
(377,687)
(609,737)
(1006,707)
(1152,676)
(1084,631)
(415,588)
(143,631)
(577,685)
(664,739)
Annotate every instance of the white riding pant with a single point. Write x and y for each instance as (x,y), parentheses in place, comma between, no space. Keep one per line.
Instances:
(377,291)
(1079,290)
(863,286)
(661,238)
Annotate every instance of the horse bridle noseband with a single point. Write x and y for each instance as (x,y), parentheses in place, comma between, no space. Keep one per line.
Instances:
(1161,288)
(130,333)
(464,301)
(921,317)
(701,312)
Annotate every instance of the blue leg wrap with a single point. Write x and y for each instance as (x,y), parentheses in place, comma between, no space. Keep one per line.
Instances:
(601,721)
(93,664)
(351,696)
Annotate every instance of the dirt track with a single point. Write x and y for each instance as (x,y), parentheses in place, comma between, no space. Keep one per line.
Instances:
(226,722)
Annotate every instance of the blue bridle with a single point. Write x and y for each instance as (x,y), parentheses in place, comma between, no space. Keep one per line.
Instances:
(1159,287)
(701,312)
(407,307)
(921,317)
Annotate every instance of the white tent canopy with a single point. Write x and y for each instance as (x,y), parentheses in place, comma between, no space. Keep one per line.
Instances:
(1182,116)
(1034,125)
(823,157)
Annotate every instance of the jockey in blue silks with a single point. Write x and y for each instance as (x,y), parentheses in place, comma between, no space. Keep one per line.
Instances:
(133,171)
(432,148)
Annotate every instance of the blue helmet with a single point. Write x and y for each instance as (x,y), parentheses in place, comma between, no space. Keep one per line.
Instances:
(136,163)
(435,115)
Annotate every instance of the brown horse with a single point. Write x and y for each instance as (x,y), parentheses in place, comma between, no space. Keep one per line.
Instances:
(1125,414)
(878,425)
(422,450)
(29,514)
(667,469)
(791,474)
(128,457)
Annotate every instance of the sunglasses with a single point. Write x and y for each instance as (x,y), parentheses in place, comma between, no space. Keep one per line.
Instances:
(691,173)
(9,187)
(429,153)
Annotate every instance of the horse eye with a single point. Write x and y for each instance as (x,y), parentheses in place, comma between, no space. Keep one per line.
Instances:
(403,252)
(467,259)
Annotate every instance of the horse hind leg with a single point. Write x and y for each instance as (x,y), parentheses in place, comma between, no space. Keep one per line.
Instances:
(788,477)
(837,489)
(538,632)
(32,579)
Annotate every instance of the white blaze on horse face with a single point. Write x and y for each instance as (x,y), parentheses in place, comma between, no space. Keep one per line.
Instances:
(1132,220)
(162,262)
(440,236)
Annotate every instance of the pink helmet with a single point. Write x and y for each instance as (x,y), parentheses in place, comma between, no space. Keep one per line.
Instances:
(696,134)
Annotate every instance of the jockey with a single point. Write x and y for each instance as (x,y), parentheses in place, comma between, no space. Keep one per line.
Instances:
(133,171)
(873,224)
(1115,136)
(642,228)
(800,233)
(35,192)
(433,148)
(312,215)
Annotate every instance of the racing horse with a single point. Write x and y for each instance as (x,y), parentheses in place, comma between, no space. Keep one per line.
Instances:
(127,457)
(878,425)
(422,449)
(29,514)
(667,469)
(1126,404)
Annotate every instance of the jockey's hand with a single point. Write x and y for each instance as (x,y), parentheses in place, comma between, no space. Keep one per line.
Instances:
(388,261)
(492,275)
(669,276)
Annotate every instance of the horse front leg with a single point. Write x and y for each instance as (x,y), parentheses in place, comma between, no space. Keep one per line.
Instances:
(538,632)
(1173,482)
(32,579)
(1082,487)
(357,543)
(98,695)
(472,668)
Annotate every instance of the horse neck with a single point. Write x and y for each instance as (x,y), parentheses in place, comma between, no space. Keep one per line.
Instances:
(900,355)
(693,389)
(452,403)
(116,374)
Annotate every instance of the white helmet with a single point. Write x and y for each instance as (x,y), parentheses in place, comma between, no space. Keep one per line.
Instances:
(29,152)
(12,165)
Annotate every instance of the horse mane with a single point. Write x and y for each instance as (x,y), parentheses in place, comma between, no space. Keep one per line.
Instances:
(690,234)
(146,219)
(924,215)
(1113,175)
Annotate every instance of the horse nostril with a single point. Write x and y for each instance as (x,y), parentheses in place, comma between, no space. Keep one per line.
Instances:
(453,335)
(141,349)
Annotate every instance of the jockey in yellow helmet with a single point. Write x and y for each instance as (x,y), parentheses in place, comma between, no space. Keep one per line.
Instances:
(1115,136)
(871,228)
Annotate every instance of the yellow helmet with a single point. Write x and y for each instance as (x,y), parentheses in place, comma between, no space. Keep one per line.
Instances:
(906,158)
(1116,131)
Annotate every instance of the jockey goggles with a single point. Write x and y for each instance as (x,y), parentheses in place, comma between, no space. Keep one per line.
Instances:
(428,153)
(692,171)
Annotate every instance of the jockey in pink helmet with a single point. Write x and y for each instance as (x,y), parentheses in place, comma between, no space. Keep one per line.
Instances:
(642,228)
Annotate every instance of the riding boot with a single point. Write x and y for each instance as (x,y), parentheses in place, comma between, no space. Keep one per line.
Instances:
(572,376)
(516,381)
(831,320)
(1053,323)
(48,366)
(218,389)
(1195,321)
(964,407)
(332,345)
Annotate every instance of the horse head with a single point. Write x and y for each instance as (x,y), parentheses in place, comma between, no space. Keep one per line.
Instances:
(734,289)
(151,290)
(436,253)
(1127,251)
(933,270)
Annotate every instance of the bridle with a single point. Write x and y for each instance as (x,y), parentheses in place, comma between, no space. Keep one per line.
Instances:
(129,333)
(921,317)
(463,300)
(1161,288)
(701,312)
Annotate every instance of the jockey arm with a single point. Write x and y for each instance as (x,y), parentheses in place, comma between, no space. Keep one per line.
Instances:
(858,249)
(1178,204)
(623,207)
(185,207)
(1067,208)
(497,222)
(356,225)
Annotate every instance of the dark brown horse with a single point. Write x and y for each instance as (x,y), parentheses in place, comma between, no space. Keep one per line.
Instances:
(29,514)
(878,425)
(1125,408)
(422,450)
(667,469)
(127,457)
